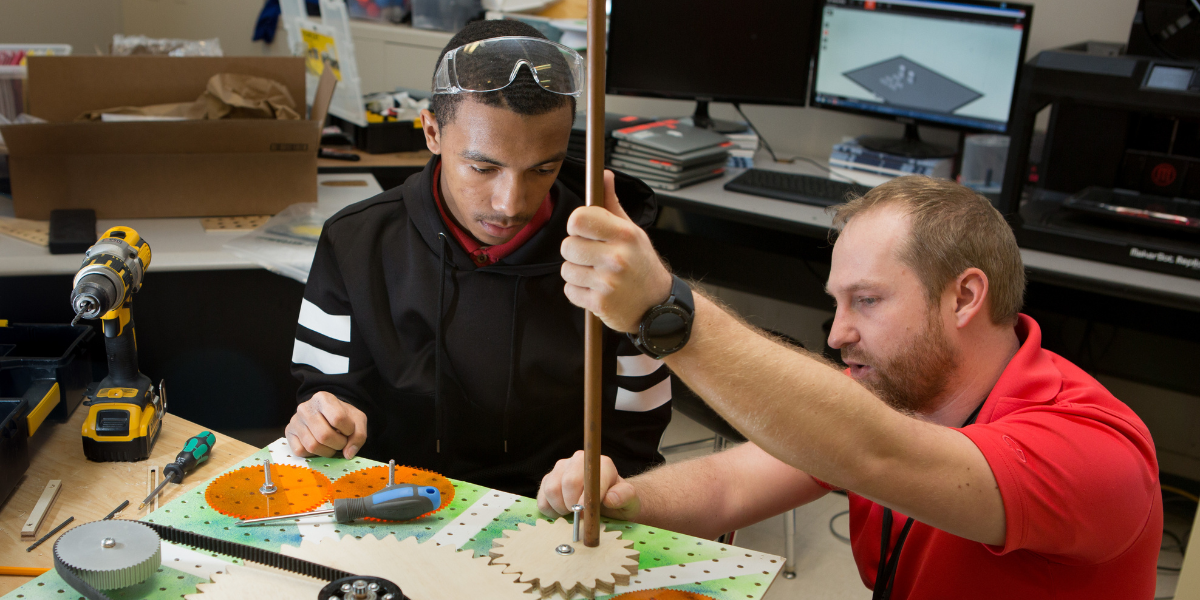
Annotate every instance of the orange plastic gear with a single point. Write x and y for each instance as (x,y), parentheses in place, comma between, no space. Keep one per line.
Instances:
(298,489)
(365,482)
(661,594)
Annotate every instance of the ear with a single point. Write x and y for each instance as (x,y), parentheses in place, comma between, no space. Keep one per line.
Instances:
(970,291)
(433,136)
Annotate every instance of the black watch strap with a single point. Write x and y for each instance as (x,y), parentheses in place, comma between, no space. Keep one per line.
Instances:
(666,328)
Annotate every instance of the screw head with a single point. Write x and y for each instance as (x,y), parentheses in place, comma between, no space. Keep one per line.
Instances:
(108,543)
(346,587)
(565,549)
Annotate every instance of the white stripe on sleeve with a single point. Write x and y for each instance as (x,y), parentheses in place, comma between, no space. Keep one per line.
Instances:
(656,396)
(325,362)
(332,326)
(638,365)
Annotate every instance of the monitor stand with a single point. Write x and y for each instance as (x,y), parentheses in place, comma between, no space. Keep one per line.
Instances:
(701,119)
(909,146)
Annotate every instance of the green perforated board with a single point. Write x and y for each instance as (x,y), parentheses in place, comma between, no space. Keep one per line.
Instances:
(475,517)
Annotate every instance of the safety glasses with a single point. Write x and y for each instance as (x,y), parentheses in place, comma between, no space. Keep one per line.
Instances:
(492,64)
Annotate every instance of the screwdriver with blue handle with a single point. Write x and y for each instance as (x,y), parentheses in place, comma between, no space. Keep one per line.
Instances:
(400,502)
(197,450)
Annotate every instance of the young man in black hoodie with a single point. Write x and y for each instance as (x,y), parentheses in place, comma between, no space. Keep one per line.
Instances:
(434,329)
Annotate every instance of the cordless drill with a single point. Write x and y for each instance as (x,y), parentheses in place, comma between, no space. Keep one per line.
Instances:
(124,411)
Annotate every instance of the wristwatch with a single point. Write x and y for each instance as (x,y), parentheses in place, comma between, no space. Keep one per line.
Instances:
(666,328)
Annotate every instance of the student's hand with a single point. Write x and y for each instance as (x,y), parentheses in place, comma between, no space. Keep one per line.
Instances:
(611,268)
(323,425)
(562,488)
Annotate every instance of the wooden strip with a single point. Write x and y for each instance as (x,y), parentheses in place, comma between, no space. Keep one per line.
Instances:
(593,329)
(246,223)
(34,232)
(39,510)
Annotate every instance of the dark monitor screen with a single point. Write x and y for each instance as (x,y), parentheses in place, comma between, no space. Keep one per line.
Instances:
(950,64)
(754,52)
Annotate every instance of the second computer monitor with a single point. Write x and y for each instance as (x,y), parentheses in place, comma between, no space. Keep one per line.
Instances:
(950,64)
(712,50)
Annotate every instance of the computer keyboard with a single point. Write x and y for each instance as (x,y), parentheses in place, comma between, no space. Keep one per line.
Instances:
(794,187)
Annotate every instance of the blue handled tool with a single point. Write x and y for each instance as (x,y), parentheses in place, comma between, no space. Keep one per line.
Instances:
(402,502)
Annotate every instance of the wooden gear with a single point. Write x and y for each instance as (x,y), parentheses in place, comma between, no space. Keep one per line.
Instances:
(236,493)
(238,582)
(365,482)
(531,552)
(661,594)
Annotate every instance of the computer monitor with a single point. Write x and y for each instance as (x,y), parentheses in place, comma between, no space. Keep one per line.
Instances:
(711,51)
(921,62)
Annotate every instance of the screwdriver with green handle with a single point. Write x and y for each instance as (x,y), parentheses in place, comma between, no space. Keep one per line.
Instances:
(197,450)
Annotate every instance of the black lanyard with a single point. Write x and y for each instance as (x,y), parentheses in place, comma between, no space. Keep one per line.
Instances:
(885,576)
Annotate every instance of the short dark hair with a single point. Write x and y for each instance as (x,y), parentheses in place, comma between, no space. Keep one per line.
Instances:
(523,96)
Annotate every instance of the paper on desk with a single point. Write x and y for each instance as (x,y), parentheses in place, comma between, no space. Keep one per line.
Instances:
(287,242)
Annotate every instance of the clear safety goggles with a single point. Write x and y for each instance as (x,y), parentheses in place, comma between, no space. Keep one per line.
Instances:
(492,64)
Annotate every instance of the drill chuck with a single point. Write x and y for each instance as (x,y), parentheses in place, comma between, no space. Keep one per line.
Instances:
(95,293)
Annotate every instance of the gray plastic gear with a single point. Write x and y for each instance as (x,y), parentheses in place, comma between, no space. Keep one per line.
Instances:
(110,554)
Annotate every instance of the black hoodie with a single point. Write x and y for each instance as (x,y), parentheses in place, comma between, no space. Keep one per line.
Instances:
(503,398)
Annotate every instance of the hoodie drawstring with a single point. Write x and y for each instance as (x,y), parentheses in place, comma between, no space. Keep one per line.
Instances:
(512,360)
(437,345)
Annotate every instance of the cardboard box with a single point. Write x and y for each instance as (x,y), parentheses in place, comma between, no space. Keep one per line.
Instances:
(159,169)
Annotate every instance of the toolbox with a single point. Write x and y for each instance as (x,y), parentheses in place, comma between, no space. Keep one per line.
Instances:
(384,138)
(47,366)
(14,444)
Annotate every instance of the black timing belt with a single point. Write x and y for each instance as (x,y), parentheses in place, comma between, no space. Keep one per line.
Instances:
(212,544)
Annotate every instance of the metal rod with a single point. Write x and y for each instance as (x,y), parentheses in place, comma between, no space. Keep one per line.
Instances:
(391,472)
(115,511)
(49,534)
(593,329)
(315,513)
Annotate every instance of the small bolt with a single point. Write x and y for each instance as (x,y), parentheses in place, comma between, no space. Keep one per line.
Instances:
(374,587)
(389,596)
(565,549)
(108,543)
(268,487)
(346,587)
(360,589)
(578,510)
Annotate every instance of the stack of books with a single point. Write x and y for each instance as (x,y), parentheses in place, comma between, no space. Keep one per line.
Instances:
(853,158)
(577,146)
(669,155)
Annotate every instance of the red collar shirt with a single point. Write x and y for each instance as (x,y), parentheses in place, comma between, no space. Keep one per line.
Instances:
(482,255)
(1078,475)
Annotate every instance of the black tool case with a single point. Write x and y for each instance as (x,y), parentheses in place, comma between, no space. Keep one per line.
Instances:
(14,444)
(35,357)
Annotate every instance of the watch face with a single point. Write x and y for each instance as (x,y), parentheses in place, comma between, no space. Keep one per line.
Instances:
(666,329)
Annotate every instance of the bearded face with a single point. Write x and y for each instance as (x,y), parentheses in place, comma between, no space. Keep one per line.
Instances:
(912,379)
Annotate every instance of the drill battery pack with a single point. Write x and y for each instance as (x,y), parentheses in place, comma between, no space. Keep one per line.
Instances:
(122,424)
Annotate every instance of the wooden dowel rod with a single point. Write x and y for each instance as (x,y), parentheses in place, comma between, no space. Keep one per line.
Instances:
(593,332)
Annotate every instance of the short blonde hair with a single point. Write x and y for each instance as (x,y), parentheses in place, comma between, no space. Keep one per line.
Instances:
(953,229)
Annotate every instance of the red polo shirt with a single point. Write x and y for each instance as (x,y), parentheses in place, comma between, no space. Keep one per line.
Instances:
(487,255)
(1079,479)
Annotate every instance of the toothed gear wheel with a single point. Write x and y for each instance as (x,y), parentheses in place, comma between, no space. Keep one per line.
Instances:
(365,482)
(238,493)
(110,554)
(661,594)
(532,552)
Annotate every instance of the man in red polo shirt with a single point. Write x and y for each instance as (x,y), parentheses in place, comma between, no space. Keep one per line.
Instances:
(434,330)
(978,464)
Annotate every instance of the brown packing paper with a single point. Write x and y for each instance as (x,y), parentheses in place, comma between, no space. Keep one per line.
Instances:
(227,96)
(226,167)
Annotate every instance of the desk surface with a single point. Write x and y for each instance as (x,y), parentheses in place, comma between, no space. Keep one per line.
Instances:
(712,199)
(178,244)
(416,158)
(91,489)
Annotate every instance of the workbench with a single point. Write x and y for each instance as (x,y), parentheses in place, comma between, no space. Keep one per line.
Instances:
(90,490)
(476,516)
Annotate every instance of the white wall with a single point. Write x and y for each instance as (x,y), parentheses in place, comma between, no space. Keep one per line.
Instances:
(230,20)
(84,24)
